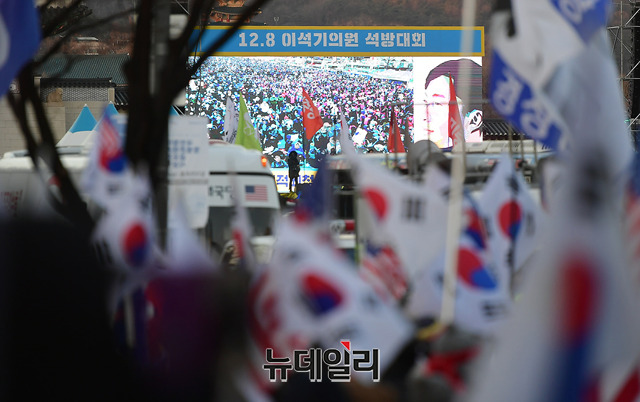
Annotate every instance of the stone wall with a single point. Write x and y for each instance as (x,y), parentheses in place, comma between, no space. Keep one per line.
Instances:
(61,116)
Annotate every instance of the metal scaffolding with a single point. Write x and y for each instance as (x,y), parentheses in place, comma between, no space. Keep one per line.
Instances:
(625,38)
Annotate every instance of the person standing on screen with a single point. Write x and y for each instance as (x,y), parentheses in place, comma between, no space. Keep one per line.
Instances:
(294,170)
(436,98)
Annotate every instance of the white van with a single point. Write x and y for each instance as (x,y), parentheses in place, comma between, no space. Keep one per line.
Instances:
(249,172)
(24,192)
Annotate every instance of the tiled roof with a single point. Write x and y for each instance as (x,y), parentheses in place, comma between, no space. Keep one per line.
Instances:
(76,82)
(121,99)
(85,67)
(233,10)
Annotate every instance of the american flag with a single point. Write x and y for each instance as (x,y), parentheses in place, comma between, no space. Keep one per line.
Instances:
(109,137)
(256,193)
(381,264)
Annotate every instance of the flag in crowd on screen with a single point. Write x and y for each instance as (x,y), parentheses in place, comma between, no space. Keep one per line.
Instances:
(346,144)
(247,135)
(394,142)
(455,129)
(311,119)
(20,35)
(231,117)
(512,217)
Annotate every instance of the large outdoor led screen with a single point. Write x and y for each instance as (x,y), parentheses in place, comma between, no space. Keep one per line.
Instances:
(365,89)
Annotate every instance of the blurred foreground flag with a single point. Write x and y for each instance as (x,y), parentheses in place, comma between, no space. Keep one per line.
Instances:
(310,294)
(185,251)
(19,37)
(512,217)
(409,217)
(125,232)
(242,232)
(553,77)
(632,221)
(482,298)
(577,316)
(108,175)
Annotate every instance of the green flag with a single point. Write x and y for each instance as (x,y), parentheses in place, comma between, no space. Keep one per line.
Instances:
(247,134)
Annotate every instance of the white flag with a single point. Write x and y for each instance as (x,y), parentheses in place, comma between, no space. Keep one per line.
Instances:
(185,251)
(512,216)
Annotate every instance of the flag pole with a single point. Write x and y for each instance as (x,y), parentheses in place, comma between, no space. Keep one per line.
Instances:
(395,133)
(304,153)
(454,220)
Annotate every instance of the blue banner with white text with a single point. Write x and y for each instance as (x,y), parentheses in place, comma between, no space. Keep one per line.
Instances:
(340,41)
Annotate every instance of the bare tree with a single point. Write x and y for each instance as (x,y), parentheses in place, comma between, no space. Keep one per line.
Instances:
(150,101)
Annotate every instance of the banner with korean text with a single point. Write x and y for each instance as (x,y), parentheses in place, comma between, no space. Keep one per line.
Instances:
(338,41)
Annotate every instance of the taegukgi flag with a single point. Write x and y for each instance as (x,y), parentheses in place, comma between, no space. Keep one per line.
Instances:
(311,294)
(512,216)
(19,37)
(577,315)
(482,297)
(407,216)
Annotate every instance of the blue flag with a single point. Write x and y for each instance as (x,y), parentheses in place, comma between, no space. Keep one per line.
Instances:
(19,37)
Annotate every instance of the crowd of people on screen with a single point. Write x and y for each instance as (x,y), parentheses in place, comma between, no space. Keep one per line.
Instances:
(272,89)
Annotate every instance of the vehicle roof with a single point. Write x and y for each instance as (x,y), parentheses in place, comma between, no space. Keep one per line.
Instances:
(225,157)
(21,161)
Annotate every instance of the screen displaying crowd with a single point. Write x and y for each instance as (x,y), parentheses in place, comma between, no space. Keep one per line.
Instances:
(272,88)
(365,89)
